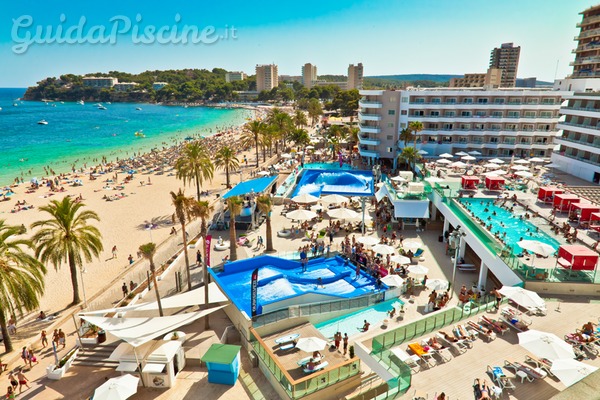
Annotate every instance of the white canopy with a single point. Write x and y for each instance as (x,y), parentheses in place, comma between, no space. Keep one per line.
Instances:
(411,209)
(191,298)
(137,331)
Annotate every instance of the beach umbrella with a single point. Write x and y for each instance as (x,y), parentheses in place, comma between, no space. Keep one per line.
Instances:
(536,160)
(411,244)
(444,161)
(368,240)
(383,249)
(446,155)
(519,168)
(398,179)
(334,199)
(491,165)
(461,153)
(474,153)
(392,280)
(524,174)
(121,387)
(458,164)
(496,172)
(523,297)
(311,344)
(437,284)
(286,156)
(422,152)
(545,345)
(342,213)
(418,269)
(400,260)
(309,147)
(468,158)
(318,152)
(301,215)
(433,179)
(262,173)
(305,198)
(317,207)
(571,371)
(497,161)
(521,161)
(537,247)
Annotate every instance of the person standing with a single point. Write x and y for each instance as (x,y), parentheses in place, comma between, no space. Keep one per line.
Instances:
(13,380)
(62,340)
(337,338)
(25,356)
(44,338)
(22,381)
(114,252)
(303,260)
(345,343)
(130,258)
(198,258)
(125,289)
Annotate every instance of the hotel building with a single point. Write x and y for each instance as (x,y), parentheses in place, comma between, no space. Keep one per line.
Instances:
(587,52)
(506,57)
(100,82)
(234,76)
(496,123)
(490,80)
(309,75)
(355,76)
(267,77)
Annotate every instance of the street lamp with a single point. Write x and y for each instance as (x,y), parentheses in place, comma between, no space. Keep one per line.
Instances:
(456,236)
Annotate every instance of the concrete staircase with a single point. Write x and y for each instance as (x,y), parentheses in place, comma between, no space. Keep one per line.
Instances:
(97,356)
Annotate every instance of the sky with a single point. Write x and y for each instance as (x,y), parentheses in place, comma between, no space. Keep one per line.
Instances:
(388,36)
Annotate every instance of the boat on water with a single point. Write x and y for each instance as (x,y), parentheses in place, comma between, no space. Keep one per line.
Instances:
(138,109)
(140,134)
(43,122)
(15,105)
(108,102)
(101,107)
(81,103)
(0,108)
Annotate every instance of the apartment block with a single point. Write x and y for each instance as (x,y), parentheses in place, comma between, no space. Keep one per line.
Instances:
(309,75)
(378,124)
(587,52)
(579,143)
(266,77)
(355,76)
(235,76)
(506,57)
(125,86)
(100,82)
(491,79)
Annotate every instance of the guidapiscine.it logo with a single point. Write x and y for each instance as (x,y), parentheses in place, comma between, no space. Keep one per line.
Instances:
(26,33)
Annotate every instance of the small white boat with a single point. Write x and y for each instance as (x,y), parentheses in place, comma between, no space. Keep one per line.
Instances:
(101,107)
(43,122)
(138,109)
(108,102)
(81,102)
(0,108)
(15,105)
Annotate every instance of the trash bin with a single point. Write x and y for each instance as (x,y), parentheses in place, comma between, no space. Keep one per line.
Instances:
(101,336)
(441,238)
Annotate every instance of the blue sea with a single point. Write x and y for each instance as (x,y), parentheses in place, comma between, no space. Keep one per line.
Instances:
(78,134)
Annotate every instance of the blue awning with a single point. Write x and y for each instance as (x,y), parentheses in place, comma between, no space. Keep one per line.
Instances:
(257,185)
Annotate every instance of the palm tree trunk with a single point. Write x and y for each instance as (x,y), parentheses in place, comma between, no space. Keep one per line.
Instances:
(232,239)
(198,185)
(153,271)
(205,278)
(185,254)
(269,235)
(8,347)
(256,143)
(264,151)
(74,282)
(227,175)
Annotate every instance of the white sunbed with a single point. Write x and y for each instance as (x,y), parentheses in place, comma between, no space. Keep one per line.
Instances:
(411,360)
(318,367)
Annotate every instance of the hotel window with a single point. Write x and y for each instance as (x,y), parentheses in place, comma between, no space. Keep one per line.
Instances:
(544,127)
(479,127)
(448,127)
(533,101)
(468,100)
(390,149)
(419,100)
(494,140)
(480,113)
(390,125)
(528,128)
(403,112)
(432,126)
(496,127)
(391,112)
(465,127)
(511,127)
(418,113)
(392,99)
(449,113)
(434,113)
(482,101)
(403,125)
(390,137)
(499,101)
(529,114)
(465,113)
(436,101)
(405,99)
(545,114)
(548,101)
(451,100)
(513,114)
(497,114)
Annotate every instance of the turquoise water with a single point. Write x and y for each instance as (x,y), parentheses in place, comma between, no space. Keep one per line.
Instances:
(325,181)
(506,222)
(353,323)
(328,165)
(79,134)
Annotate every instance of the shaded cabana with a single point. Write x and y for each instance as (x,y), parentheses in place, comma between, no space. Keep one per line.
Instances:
(563,201)
(546,194)
(583,211)
(469,182)
(494,182)
(577,258)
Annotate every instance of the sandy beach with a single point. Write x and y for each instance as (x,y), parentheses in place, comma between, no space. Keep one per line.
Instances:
(143,201)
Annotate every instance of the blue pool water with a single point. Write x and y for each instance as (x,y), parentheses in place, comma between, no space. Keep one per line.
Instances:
(352,323)
(514,227)
(328,165)
(280,279)
(326,181)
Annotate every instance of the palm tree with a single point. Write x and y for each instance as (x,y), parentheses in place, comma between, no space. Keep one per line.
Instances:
(184,212)
(335,136)
(234,204)
(21,277)
(148,251)
(67,237)
(252,134)
(265,205)
(194,164)
(203,210)
(300,119)
(314,110)
(226,159)
(410,155)
(415,127)
(406,136)
(281,122)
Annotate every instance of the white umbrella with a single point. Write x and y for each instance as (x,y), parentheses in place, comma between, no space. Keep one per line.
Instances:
(458,164)
(317,207)
(461,153)
(383,249)
(418,269)
(523,297)
(521,161)
(411,244)
(368,240)
(121,387)
(318,152)
(342,213)
(433,179)
(309,147)
(468,158)
(398,179)
(536,159)
(545,345)
(335,199)
(524,174)
(305,198)
(446,155)
(392,280)
(537,247)
(497,161)
(301,215)
(286,155)
(311,344)
(262,173)
(571,371)
(495,172)
(491,165)
(474,153)
(444,161)
(400,260)
(519,168)
(437,284)
(422,152)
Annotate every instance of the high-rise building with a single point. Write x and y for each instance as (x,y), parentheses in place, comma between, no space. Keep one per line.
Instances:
(490,80)
(355,76)
(587,52)
(235,76)
(506,57)
(266,77)
(309,75)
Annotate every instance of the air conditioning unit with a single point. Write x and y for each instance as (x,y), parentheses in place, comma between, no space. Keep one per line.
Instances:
(253,359)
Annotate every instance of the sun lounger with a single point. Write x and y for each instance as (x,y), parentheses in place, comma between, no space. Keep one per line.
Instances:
(318,367)
(466,267)
(499,378)
(483,332)
(524,372)
(458,334)
(540,363)
(422,353)
(511,312)
(305,360)
(575,341)
(494,391)
(460,346)
(287,346)
(411,360)
(470,334)
(442,351)
(496,326)
(514,321)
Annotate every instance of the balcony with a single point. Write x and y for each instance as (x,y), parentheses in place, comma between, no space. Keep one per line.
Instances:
(368,141)
(368,153)
(595,144)
(585,160)
(588,21)
(586,60)
(370,104)
(586,47)
(588,33)
(369,117)
(369,129)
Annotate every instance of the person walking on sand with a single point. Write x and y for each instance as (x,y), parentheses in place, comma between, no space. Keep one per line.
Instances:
(44,338)
(114,252)
(10,393)
(22,381)
(125,289)
(62,340)
(13,380)
(55,337)
(25,356)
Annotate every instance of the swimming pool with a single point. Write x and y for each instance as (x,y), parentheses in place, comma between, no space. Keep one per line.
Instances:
(352,323)
(328,165)
(505,222)
(281,282)
(327,181)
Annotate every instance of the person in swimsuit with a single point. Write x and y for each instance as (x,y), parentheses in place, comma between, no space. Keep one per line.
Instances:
(484,390)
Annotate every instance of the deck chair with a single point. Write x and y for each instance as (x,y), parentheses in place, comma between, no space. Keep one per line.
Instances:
(483,332)
(418,253)
(499,378)
(460,346)
(411,360)
(494,325)
(574,341)
(471,334)
(540,363)
(318,367)
(423,354)
(444,352)
(532,373)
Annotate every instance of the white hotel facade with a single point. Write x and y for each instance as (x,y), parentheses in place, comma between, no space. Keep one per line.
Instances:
(497,123)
